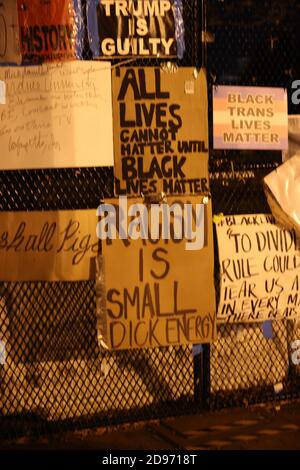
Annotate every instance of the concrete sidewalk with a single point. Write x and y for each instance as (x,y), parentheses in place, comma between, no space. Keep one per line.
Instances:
(260,427)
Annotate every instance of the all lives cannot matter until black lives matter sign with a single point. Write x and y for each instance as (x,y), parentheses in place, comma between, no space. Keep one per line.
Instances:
(160,131)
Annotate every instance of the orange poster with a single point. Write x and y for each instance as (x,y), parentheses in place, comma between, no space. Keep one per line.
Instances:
(48,30)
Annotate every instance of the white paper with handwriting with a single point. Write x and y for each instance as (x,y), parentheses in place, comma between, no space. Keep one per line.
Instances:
(56,115)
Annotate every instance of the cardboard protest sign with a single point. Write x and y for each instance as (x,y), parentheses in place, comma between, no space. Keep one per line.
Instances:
(142,28)
(51,30)
(9,33)
(56,115)
(48,246)
(250,118)
(160,131)
(156,292)
(259,270)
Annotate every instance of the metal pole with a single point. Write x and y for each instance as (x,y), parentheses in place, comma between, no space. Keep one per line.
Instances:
(206,376)
(203,34)
(198,379)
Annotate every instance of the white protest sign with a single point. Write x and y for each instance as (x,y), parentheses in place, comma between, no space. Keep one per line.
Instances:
(259,270)
(56,115)
(250,118)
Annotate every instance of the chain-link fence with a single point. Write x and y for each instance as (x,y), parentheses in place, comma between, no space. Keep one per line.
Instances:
(55,377)
(253,43)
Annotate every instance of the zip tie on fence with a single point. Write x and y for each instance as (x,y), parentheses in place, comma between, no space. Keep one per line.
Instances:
(169,67)
(124,62)
(114,66)
(217,218)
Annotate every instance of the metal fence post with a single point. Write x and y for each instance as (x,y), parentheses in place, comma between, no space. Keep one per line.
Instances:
(202,377)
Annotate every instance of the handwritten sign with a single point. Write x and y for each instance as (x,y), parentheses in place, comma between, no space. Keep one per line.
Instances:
(51,30)
(9,33)
(48,246)
(56,116)
(160,131)
(250,118)
(145,28)
(157,292)
(259,270)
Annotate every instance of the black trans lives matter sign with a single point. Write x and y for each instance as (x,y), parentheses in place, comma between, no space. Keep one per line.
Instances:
(160,131)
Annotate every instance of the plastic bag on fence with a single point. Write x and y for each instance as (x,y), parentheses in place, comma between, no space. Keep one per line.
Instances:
(282,188)
(9,33)
(51,30)
(294,138)
(143,29)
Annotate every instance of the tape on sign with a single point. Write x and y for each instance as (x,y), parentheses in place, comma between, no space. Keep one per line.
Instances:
(2,353)
(2,92)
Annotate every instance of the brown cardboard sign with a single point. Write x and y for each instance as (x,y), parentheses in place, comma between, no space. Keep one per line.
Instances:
(160,131)
(48,246)
(9,33)
(157,292)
